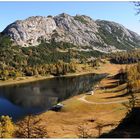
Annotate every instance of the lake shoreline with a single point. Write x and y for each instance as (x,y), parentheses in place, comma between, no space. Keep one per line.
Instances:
(38,97)
(24,80)
(76,112)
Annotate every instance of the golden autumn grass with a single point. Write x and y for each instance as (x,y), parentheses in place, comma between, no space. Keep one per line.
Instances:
(65,124)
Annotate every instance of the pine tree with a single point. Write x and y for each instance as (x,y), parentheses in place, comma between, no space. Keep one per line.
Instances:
(31,127)
(7,128)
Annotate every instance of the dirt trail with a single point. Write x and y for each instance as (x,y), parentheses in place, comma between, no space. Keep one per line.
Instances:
(112,102)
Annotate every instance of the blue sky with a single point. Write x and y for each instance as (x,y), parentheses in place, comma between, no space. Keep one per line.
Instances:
(121,12)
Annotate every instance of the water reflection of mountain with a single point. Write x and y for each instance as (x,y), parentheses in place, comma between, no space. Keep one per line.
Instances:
(46,93)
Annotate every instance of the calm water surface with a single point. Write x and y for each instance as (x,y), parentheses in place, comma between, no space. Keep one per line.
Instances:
(20,100)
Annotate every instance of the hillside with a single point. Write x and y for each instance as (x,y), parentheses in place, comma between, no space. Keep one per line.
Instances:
(55,45)
(80,30)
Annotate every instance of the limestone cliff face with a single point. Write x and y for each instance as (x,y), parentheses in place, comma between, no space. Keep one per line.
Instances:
(80,30)
(28,32)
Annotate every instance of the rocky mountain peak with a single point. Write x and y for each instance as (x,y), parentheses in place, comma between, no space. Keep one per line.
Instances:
(79,30)
(64,15)
(27,32)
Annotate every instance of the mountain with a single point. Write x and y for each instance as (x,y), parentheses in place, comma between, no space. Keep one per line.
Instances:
(80,30)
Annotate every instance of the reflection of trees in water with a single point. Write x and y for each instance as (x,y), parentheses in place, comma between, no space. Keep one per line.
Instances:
(27,97)
(46,93)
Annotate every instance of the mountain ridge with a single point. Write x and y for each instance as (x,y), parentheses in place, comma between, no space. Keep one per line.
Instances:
(80,30)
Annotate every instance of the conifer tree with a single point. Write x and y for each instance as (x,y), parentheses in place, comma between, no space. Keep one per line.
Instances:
(7,127)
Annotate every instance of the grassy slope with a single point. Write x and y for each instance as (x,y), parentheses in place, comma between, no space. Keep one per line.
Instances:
(65,123)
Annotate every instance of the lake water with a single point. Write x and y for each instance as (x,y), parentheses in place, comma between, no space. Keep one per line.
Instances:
(20,100)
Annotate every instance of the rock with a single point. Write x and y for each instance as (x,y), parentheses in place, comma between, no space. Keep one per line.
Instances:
(80,30)
(29,32)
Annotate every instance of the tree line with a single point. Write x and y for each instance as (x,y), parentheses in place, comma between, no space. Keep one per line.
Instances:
(56,58)
(16,61)
(125,57)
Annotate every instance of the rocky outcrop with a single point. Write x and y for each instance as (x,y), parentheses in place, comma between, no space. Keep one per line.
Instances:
(80,30)
(29,32)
